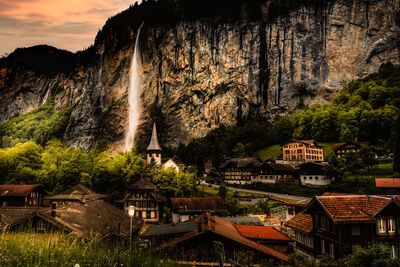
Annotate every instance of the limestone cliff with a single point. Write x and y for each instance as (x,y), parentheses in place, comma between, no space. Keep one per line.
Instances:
(201,74)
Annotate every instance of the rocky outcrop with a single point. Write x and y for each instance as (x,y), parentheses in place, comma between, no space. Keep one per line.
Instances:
(202,74)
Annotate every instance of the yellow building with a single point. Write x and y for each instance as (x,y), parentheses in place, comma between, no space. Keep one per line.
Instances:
(303,151)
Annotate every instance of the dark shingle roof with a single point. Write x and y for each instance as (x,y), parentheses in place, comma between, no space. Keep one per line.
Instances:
(141,184)
(78,193)
(241,162)
(302,222)
(17,190)
(170,229)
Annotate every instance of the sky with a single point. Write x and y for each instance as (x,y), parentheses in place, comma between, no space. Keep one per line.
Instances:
(65,24)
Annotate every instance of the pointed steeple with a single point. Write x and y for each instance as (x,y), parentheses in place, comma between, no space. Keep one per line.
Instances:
(154,145)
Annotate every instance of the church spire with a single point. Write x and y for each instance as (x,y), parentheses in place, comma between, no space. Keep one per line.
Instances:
(154,149)
(154,145)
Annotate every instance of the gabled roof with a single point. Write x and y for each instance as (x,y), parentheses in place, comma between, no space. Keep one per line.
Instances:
(219,226)
(241,162)
(350,208)
(197,204)
(154,145)
(21,190)
(302,222)
(387,182)
(339,145)
(261,232)
(143,183)
(77,193)
(95,217)
(307,142)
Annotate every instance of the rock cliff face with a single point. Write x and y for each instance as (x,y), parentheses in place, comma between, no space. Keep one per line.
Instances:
(201,74)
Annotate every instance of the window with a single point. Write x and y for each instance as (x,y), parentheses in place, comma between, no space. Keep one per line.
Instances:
(291,211)
(391,226)
(144,215)
(153,214)
(316,177)
(323,222)
(40,226)
(287,151)
(137,195)
(355,229)
(381,226)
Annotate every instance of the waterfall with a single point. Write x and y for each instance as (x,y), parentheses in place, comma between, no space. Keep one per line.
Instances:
(134,95)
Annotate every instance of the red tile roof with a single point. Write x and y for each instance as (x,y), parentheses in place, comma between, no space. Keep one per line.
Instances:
(302,222)
(261,232)
(17,190)
(388,182)
(197,204)
(352,207)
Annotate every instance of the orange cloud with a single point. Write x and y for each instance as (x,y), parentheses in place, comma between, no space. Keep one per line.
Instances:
(55,22)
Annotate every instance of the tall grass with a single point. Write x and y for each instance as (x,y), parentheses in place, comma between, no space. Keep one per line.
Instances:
(56,249)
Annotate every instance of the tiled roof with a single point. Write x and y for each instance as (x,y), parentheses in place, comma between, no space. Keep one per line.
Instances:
(142,183)
(241,162)
(226,229)
(17,190)
(387,182)
(352,207)
(92,218)
(261,232)
(197,204)
(302,222)
(78,193)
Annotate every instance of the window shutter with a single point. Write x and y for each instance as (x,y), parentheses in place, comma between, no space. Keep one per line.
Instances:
(377,226)
(398,225)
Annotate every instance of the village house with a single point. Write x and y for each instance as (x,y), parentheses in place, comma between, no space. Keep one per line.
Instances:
(334,224)
(85,216)
(341,149)
(251,170)
(77,193)
(271,173)
(198,243)
(184,209)
(146,199)
(300,151)
(312,174)
(22,196)
(240,170)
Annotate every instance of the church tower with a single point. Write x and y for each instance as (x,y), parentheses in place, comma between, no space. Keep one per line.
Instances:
(154,149)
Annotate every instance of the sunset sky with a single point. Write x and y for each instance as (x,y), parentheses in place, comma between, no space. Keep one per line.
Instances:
(65,24)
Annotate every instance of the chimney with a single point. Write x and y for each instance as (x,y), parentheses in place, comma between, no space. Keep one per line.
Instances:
(53,209)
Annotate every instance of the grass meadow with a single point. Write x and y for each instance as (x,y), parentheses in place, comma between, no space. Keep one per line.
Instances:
(56,249)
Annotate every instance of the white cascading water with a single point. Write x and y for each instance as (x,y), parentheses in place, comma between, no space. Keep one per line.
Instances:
(134,95)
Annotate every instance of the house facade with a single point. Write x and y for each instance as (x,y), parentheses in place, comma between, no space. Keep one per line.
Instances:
(299,151)
(312,174)
(22,196)
(186,208)
(144,196)
(252,170)
(341,149)
(335,224)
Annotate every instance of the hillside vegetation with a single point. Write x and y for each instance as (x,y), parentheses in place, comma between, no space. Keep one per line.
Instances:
(365,110)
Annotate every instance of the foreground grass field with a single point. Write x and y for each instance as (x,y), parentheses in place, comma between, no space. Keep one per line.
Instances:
(32,249)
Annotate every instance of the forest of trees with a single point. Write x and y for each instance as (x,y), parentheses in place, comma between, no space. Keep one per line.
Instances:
(365,110)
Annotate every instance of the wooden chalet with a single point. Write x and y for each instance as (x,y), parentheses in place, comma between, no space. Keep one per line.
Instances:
(22,196)
(92,217)
(334,224)
(197,244)
(312,174)
(146,199)
(184,209)
(77,193)
(341,149)
(240,170)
